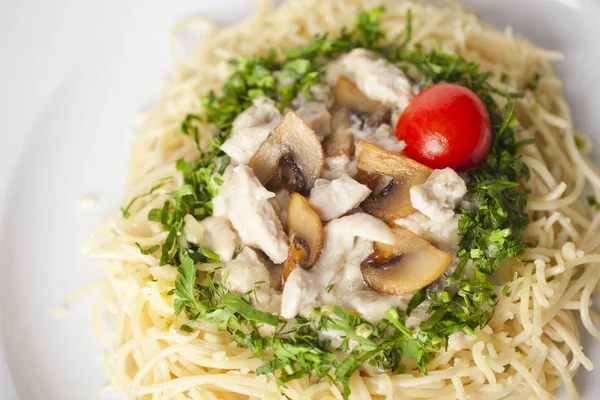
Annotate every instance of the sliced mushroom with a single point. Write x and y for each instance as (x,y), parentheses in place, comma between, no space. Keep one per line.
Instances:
(368,179)
(288,176)
(405,267)
(292,138)
(347,94)
(393,201)
(306,236)
(340,141)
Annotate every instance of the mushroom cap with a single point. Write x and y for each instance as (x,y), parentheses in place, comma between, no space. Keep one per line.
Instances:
(296,140)
(405,267)
(305,230)
(393,201)
(347,98)
(340,141)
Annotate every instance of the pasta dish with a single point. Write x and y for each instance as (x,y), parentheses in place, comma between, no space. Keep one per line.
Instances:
(359,199)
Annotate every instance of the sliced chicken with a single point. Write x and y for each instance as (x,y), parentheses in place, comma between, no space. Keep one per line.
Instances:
(212,233)
(376,78)
(332,199)
(250,129)
(438,196)
(246,203)
(248,274)
(317,117)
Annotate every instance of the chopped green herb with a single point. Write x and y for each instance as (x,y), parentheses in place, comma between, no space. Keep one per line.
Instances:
(579,142)
(211,256)
(186,328)
(184,288)
(416,301)
(149,250)
(534,82)
(125,211)
(593,202)
(242,307)
(238,250)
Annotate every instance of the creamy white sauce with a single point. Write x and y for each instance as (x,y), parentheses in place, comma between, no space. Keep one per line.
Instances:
(246,203)
(250,129)
(332,199)
(438,196)
(213,233)
(304,286)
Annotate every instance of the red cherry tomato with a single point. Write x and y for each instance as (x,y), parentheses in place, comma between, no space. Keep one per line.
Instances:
(446,125)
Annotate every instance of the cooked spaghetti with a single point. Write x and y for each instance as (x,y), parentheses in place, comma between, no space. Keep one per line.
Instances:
(527,348)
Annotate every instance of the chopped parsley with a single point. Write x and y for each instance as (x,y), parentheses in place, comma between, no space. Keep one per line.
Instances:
(579,141)
(492,231)
(125,211)
(593,202)
(149,250)
(534,82)
(535,108)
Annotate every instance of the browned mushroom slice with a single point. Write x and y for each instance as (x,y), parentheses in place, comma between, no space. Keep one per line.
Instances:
(347,95)
(368,179)
(293,138)
(406,267)
(288,176)
(305,230)
(340,141)
(393,201)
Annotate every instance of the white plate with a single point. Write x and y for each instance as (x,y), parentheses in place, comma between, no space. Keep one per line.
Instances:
(72,75)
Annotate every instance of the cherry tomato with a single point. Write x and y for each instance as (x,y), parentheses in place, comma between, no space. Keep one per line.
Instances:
(446,125)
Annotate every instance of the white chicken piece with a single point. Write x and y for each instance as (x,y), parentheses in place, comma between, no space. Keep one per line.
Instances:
(437,197)
(303,286)
(375,77)
(317,117)
(246,203)
(381,136)
(318,92)
(280,203)
(246,273)
(338,165)
(250,129)
(332,199)
(212,233)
